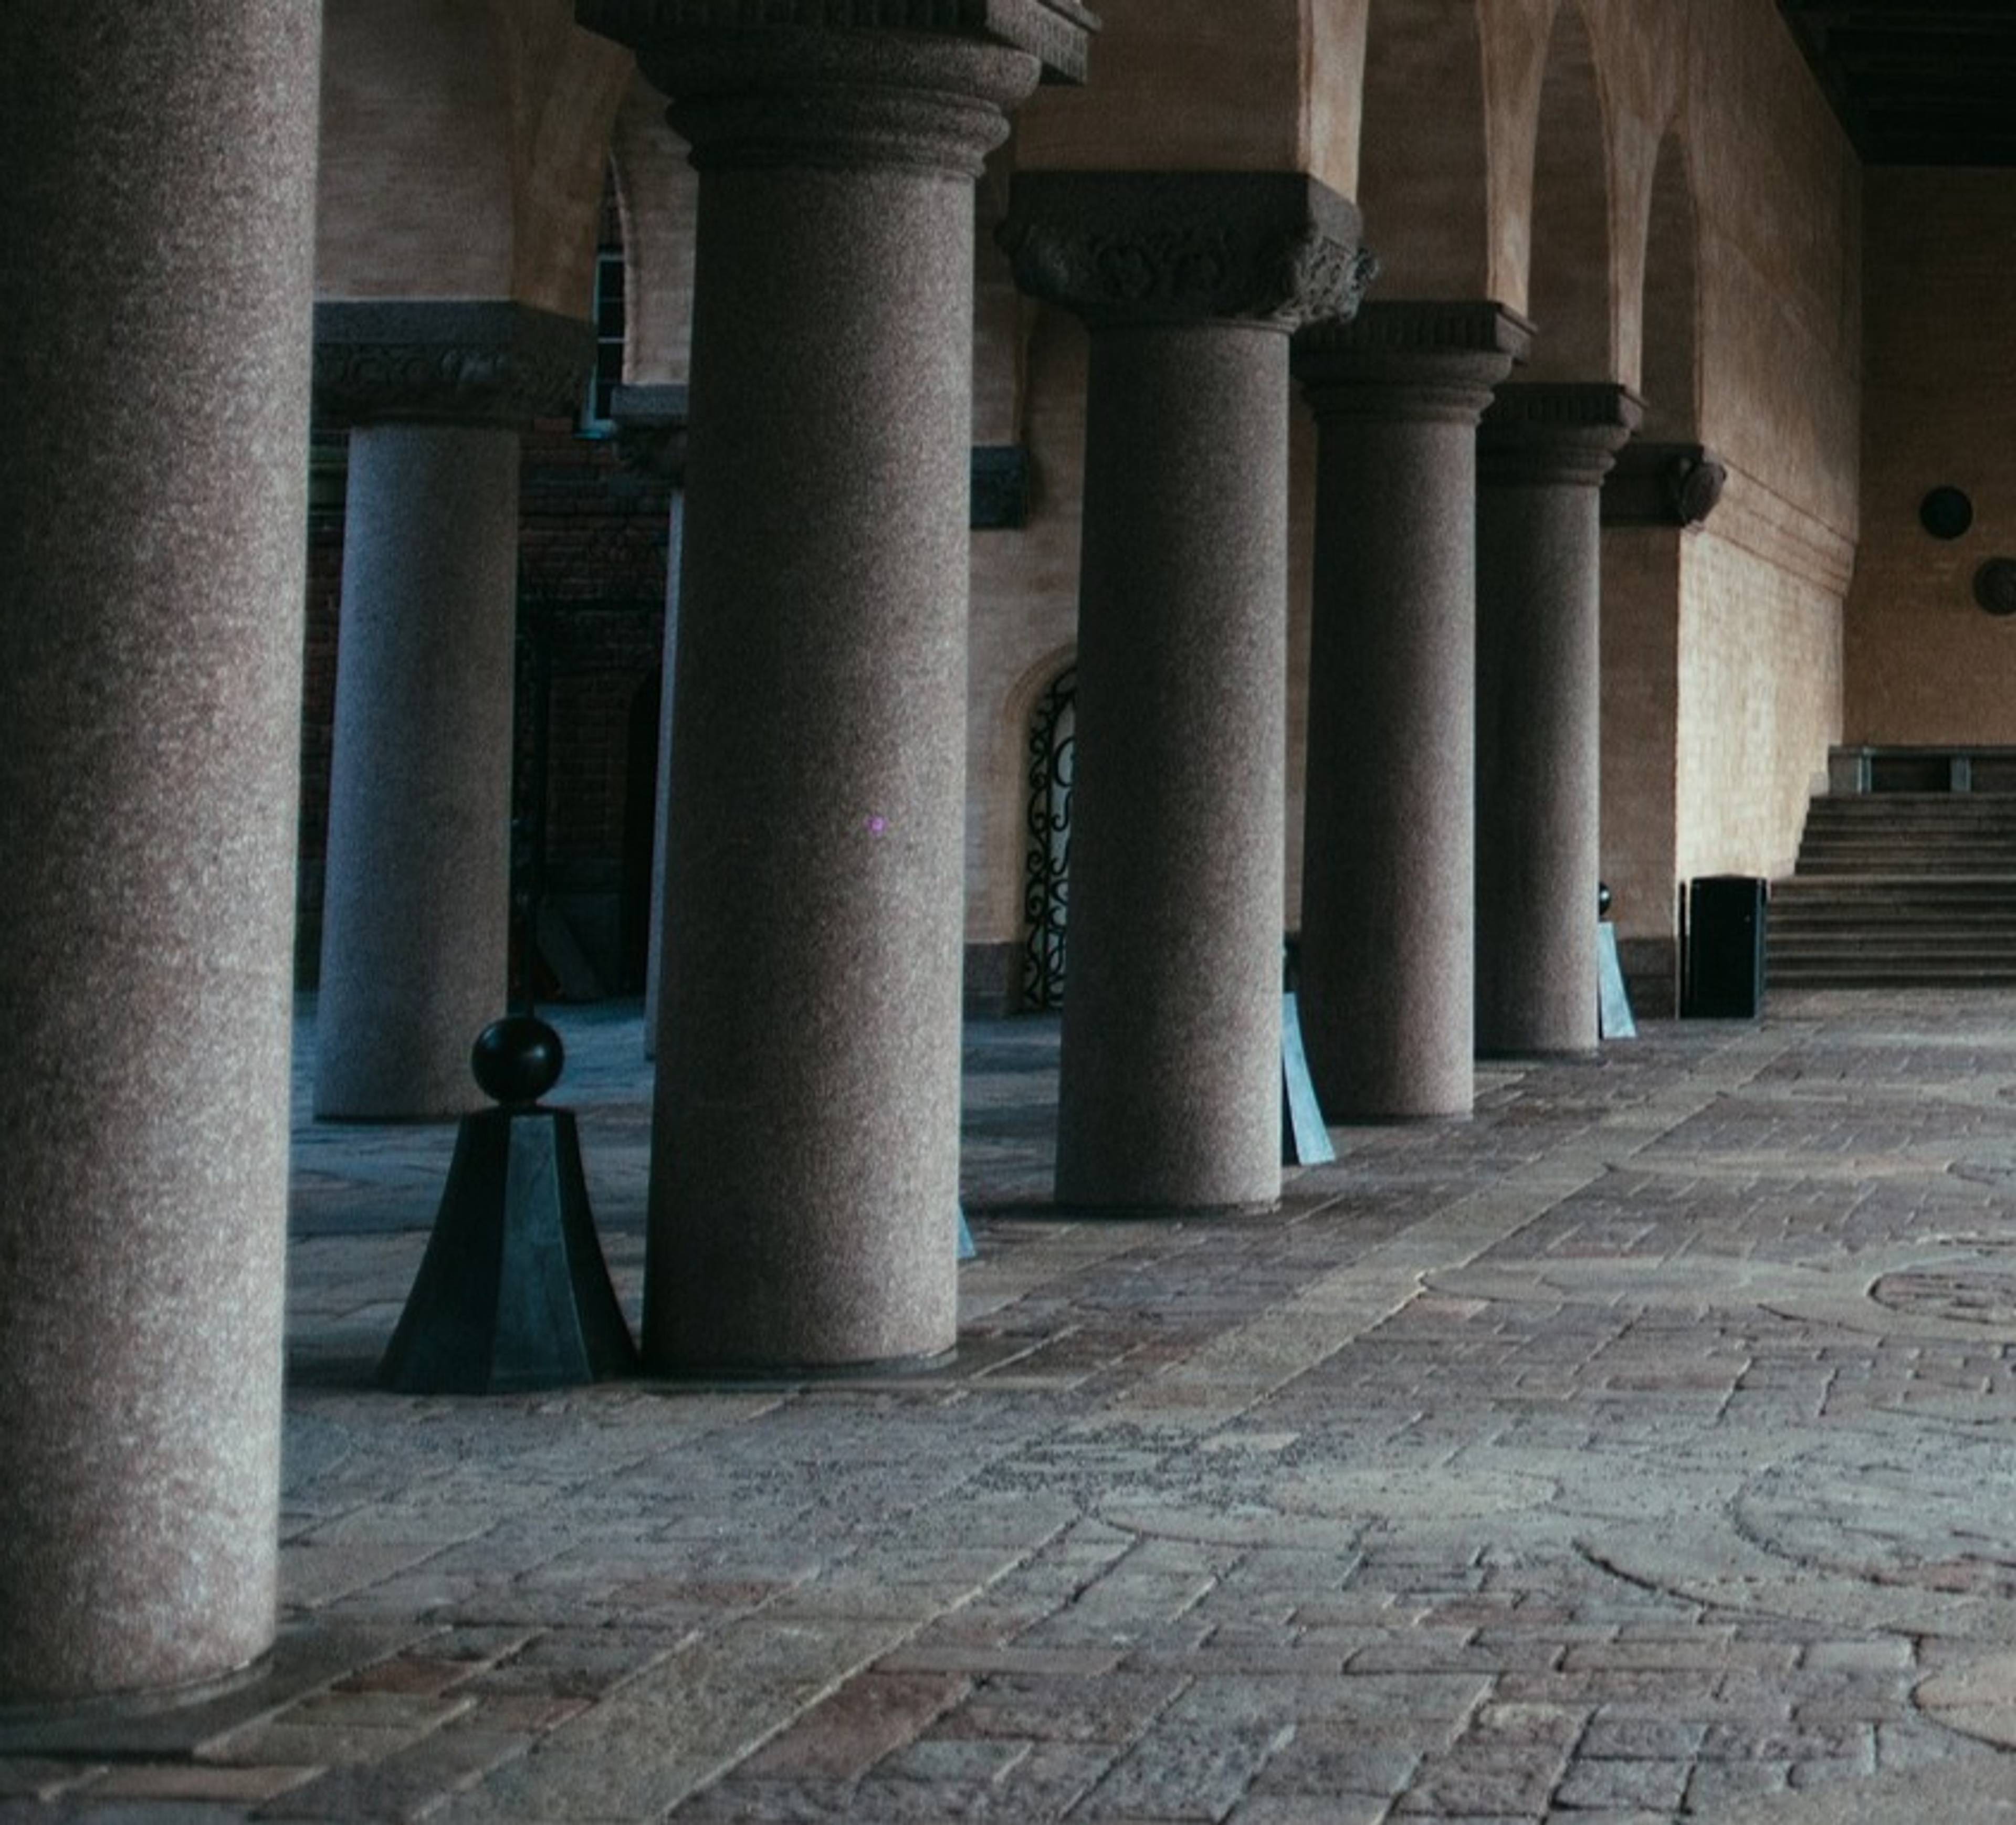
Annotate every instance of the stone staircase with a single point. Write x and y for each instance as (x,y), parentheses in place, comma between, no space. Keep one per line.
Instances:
(1898,889)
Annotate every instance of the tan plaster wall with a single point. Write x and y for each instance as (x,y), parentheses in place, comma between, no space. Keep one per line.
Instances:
(1641,650)
(1777,194)
(1760,681)
(1200,85)
(1514,36)
(462,150)
(1925,665)
(1424,184)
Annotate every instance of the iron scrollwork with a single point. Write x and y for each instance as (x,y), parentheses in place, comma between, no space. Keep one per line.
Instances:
(1047,877)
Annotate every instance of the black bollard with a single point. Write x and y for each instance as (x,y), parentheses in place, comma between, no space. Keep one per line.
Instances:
(513,1293)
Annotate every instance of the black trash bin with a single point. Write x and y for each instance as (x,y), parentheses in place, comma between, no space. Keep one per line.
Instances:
(1725,948)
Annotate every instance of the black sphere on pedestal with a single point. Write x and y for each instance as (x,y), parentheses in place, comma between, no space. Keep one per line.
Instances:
(517,1060)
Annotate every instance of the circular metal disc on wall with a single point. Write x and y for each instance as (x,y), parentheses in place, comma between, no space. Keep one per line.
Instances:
(1946,512)
(1995,586)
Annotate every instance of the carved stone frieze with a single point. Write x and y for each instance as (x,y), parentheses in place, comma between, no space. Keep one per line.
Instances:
(1277,248)
(1663,484)
(1399,359)
(1543,432)
(448,361)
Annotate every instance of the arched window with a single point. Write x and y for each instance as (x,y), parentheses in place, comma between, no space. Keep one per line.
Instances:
(611,318)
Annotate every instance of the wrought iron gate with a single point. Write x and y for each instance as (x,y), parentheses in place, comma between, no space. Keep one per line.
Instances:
(1047,876)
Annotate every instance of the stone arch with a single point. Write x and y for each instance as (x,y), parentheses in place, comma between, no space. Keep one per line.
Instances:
(657,191)
(1671,363)
(411,89)
(1568,289)
(505,108)
(1424,169)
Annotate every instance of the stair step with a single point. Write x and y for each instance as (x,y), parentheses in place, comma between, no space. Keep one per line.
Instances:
(1898,890)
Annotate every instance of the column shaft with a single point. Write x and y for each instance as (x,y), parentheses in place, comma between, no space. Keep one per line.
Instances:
(651,431)
(804,1177)
(416,910)
(416,903)
(1545,450)
(158,218)
(662,788)
(1387,924)
(1170,1093)
(807,1162)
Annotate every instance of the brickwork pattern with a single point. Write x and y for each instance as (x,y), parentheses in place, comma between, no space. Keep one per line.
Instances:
(1571,1463)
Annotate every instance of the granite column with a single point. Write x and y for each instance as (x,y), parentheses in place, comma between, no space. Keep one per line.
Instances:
(416,903)
(1388,927)
(1171,1089)
(1543,450)
(805,1134)
(158,218)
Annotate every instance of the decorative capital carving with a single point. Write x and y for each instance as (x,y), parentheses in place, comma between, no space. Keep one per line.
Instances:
(1538,433)
(1056,32)
(448,360)
(1273,248)
(846,84)
(1416,361)
(651,429)
(1663,484)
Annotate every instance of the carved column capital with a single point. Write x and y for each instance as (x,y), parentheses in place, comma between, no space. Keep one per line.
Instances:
(1275,249)
(651,425)
(1663,484)
(1538,433)
(846,84)
(1400,360)
(446,360)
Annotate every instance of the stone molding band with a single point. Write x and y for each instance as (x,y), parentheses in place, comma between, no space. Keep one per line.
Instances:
(803,99)
(1275,249)
(1537,434)
(650,423)
(1056,32)
(1430,363)
(1663,484)
(446,360)
(920,85)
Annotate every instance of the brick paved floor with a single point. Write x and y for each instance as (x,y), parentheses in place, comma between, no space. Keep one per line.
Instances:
(1644,1448)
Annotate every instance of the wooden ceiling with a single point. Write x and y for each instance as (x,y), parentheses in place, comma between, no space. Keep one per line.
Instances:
(1916,82)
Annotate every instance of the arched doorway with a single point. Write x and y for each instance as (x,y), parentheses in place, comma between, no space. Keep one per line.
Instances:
(1046,878)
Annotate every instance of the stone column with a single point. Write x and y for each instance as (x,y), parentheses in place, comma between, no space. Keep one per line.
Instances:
(158,219)
(1171,1092)
(651,430)
(805,1139)
(1388,931)
(416,904)
(1543,452)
